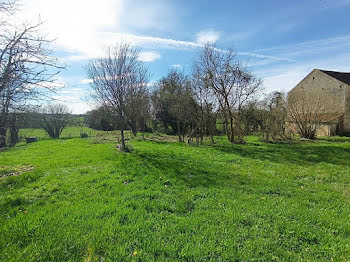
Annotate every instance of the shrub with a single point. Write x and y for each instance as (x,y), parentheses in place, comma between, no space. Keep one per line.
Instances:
(84,135)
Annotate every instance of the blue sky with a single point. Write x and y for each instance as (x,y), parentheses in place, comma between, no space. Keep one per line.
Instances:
(280,41)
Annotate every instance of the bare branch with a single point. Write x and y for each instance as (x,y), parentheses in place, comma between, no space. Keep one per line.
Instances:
(230,83)
(119,82)
(310,110)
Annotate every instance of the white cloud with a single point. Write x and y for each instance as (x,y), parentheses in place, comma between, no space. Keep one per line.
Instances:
(79,107)
(144,41)
(151,84)
(303,57)
(270,57)
(150,14)
(149,56)
(236,37)
(73,98)
(75,58)
(102,40)
(74,23)
(177,66)
(284,78)
(284,81)
(85,27)
(77,91)
(207,36)
(110,38)
(86,81)
(310,47)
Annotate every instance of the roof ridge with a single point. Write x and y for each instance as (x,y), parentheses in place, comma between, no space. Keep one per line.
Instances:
(333,71)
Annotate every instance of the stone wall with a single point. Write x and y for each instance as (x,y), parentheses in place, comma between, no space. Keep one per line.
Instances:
(333,90)
(346,122)
(327,130)
(326,86)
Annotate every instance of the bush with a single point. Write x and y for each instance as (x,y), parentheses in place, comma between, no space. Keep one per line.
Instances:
(84,135)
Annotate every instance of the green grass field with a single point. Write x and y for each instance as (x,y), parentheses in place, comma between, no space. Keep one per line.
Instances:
(70,132)
(82,200)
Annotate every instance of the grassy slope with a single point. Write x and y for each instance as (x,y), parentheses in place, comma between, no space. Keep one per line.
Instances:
(85,201)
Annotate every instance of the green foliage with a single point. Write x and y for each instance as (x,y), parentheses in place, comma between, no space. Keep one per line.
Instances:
(169,201)
(172,102)
(99,119)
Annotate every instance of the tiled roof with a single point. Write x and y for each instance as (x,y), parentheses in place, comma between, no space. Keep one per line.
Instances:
(344,77)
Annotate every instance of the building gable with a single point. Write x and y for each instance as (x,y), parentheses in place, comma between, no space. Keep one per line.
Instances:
(343,77)
(334,86)
(321,82)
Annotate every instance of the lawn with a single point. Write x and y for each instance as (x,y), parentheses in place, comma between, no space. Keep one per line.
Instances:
(82,200)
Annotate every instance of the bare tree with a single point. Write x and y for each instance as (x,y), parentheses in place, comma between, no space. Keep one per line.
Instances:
(27,69)
(203,110)
(54,118)
(117,80)
(138,108)
(274,117)
(230,83)
(182,100)
(7,7)
(310,110)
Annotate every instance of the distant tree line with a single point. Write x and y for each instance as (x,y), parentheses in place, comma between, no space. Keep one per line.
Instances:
(218,96)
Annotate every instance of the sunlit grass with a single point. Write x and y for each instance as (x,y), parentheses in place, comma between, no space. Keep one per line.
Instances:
(69,132)
(80,199)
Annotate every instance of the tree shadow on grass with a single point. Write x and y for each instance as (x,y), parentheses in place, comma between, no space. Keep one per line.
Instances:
(300,154)
(189,174)
(190,170)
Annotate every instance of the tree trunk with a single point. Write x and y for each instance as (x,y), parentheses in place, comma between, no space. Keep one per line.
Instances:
(179,132)
(3,127)
(14,136)
(231,136)
(13,131)
(239,132)
(212,139)
(3,131)
(133,128)
(224,128)
(122,138)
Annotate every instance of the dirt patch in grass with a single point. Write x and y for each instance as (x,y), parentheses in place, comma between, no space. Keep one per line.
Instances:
(158,137)
(7,171)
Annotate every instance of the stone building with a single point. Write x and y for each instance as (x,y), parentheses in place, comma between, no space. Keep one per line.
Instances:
(335,87)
